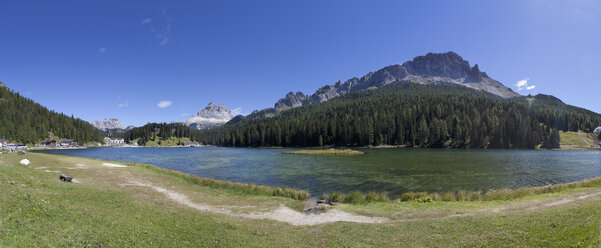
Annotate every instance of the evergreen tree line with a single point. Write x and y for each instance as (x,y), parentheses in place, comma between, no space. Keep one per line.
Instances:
(24,121)
(165,131)
(413,115)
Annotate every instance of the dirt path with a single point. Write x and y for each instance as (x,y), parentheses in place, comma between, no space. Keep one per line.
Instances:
(283,213)
(584,139)
(288,215)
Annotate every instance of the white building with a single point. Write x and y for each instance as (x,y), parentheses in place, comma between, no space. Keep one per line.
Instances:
(113,141)
(597,130)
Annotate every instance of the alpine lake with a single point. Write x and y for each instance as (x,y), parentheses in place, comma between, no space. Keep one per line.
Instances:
(395,171)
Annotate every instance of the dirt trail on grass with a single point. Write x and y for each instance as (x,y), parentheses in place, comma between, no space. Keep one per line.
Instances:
(283,213)
(564,200)
(288,215)
(584,139)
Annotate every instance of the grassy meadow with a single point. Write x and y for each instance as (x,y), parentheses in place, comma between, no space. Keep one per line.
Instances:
(577,140)
(105,208)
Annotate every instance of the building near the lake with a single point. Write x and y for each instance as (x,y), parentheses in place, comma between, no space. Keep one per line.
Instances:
(48,143)
(113,141)
(191,143)
(4,142)
(68,142)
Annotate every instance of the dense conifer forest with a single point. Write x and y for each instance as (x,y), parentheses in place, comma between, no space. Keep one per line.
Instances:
(413,115)
(24,121)
(154,131)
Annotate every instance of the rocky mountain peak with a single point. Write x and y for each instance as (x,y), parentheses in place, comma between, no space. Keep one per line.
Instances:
(107,124)
(447,64)
(211,116)
(292,100)
(2,85)
(214,111)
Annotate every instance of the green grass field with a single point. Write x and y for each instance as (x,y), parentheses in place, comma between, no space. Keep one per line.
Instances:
(106,209)
(577,139)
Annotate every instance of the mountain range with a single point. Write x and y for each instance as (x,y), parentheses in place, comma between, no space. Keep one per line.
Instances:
(436,100)
(433,68)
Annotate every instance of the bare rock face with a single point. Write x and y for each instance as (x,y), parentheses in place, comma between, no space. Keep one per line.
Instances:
(2,85)
(291,100)
(211,116)
(433,68)
(108,124)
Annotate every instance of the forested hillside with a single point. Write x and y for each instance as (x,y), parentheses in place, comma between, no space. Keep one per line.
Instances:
(24,121)
(158,131)
(437,115)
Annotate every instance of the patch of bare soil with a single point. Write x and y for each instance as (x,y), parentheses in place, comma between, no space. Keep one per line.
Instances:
(283,213)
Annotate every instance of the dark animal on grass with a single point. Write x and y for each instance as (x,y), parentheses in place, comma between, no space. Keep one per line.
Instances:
(65,178)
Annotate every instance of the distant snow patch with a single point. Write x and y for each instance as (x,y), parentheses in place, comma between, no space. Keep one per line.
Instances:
(113,165)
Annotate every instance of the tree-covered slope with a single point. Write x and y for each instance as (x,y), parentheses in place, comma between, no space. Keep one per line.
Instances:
(24,121)
(439,115)
(160,131)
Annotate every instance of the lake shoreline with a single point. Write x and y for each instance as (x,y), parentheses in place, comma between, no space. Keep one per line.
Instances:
(165,209)
(375,195)
(168,210)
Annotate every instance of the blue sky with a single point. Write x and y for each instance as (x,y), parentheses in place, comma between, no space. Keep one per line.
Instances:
(124,59)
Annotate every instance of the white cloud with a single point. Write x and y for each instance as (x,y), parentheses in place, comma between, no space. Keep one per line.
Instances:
(123,105)
(146,21)
(164,104)
(523,84)
(236,111)
(102,50)
(183,114)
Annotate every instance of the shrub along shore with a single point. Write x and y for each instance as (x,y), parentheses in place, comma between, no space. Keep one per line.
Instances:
(491,195)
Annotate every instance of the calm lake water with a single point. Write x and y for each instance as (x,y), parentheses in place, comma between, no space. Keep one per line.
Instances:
(392,170)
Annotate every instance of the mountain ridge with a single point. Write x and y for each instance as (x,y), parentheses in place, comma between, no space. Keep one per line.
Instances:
(415,115)
(432,68)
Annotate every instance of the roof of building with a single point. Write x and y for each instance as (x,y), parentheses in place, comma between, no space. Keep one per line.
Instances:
(4,141)
(67,141)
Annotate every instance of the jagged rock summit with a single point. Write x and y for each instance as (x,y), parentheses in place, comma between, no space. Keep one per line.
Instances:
(211,116)
(108,124)
(433,68)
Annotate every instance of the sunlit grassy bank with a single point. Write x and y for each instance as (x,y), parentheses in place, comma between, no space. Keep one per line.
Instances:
(253,189)
(106,209)
(326,152)
(578,140)
(491,195)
